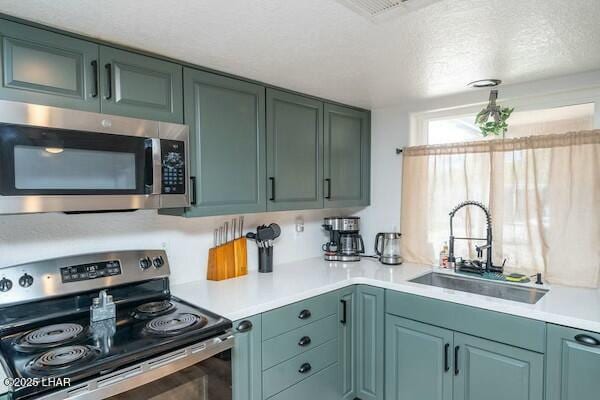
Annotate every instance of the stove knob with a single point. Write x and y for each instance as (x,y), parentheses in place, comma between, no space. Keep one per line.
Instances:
(5,285)
(145,263)
(158,262)
(26,280)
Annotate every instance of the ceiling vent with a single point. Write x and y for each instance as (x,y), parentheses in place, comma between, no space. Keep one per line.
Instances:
(381,10)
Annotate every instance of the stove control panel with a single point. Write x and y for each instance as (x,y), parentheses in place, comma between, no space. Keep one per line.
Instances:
(84,272)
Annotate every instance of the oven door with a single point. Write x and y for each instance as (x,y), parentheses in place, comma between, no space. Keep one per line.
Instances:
(201,371)
(50,169)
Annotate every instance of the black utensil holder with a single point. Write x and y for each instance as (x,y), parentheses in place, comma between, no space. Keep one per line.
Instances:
(265,259)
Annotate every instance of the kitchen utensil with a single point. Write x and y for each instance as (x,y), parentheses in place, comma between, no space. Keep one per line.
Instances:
(387,247)
(241,226)
(226,229)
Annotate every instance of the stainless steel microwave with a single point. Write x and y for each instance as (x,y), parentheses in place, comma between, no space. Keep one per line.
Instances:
(54,159)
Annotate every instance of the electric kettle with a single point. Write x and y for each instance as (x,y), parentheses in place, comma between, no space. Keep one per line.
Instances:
(387,247)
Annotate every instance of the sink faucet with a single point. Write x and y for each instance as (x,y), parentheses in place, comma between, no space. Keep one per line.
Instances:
(489,266)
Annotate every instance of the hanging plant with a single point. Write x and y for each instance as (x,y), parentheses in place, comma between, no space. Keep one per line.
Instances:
(492,119)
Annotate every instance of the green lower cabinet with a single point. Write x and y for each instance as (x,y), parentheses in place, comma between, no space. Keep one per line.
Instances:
(572,364)
(487,370)
(418,360)
(347,342)
(246,364)
(369,342)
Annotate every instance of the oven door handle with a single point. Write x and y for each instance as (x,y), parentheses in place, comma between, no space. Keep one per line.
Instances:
(154,161)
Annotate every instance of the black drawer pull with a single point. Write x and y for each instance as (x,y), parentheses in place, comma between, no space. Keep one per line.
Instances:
(304,314)
(456,371)
(344,311)
(305,341)
(95,81)
(272,179)
(328,181)
(244,326)
(108,68)
(587,340)
(446,357)
(304,368)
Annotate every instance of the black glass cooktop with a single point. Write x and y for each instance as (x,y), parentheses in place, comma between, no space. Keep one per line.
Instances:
(68,346)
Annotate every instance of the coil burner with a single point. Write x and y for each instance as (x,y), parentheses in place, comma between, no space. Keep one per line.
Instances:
(62,358)
(174,324)
(154,309)
(50,336)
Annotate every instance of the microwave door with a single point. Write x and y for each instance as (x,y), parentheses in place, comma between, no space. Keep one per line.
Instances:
(47,169)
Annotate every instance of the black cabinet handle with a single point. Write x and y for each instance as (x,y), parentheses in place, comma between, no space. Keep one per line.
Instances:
(272,179)
(304,314)
(193,201)
(108,80)
(446,360)
(587,340)
(304,368)
(95,73)
(328,181)
(305,341)
(344,303)
(244,326)
(456,371)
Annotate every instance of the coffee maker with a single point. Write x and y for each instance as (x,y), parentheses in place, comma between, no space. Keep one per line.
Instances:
(345,243)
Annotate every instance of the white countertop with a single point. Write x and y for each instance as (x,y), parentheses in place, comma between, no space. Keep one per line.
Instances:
(256,293)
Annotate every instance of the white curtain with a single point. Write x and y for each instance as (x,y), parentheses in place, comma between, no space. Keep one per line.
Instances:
(543,193)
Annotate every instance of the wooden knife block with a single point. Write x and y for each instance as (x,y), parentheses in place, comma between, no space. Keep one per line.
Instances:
(228,260)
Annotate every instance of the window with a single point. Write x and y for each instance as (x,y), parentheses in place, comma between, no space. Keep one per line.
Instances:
(461,128)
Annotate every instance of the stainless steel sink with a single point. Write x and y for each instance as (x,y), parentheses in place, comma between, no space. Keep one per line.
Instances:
(504,291)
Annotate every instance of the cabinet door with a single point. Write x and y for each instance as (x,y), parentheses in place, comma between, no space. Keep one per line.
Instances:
(246,365)
(369,342)
(347,157)
(418,360)
(142,87)
(294,142)
(488,370)
(227,127)
(573,364)
(47,68)
(347,342)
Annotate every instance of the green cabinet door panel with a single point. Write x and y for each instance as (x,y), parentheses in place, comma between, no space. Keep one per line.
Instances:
(346,320)
(418,359)
(320,386)
(46,68)
(369,343)
(493,371)
(347,152)
(246,359)
(294,143)
(138,86)
(227,127)
(572,367)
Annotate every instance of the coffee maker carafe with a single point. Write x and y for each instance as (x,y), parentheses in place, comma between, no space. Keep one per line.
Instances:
(345,243)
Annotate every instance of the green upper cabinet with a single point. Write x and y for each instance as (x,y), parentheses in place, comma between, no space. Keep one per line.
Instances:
(46,68)
(418,360)
(486,370)
(138,86)
(227,134)
(573,364)
(294,143)
(346,157)
(246,366)
(370,344)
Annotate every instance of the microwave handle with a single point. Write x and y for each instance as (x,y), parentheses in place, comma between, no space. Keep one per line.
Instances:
(156,161)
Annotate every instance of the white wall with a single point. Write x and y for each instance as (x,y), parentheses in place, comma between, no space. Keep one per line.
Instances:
(33,237)
(391,128)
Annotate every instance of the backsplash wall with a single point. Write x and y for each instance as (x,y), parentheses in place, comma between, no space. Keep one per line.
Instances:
(32,237)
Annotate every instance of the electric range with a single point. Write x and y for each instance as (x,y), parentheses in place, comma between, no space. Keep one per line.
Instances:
(65,339)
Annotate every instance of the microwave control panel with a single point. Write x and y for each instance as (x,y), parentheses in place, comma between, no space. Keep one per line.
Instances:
(173,166)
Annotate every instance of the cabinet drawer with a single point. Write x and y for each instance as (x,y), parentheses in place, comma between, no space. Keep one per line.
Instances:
(500,327)
(290,344)
(321,386)
(298,368)
(295,315)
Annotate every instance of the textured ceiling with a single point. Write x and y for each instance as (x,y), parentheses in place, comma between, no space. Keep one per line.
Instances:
(322,48)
